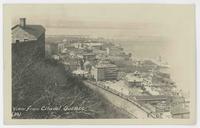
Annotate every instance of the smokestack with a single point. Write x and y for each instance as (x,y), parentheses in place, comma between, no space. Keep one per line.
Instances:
(22,22)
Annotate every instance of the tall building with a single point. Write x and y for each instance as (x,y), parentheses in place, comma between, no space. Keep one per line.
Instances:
(104,71)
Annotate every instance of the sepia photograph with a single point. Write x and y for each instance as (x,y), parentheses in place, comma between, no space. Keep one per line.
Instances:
(100,61)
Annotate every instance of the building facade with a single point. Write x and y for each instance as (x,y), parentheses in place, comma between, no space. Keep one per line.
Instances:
(105,72)
(133,80)
(28,40)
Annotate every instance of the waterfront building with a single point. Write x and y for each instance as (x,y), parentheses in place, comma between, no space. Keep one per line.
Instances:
(118,59)
(180,110)
(164,72)
(162,81)
(146,65)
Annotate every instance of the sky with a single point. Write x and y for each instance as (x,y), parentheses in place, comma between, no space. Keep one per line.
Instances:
(171,25)
(145,19)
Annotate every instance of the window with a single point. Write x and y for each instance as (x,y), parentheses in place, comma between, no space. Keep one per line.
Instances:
(25,40)
(17,41)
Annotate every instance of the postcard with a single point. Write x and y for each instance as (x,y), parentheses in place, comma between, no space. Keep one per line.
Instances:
(99,64)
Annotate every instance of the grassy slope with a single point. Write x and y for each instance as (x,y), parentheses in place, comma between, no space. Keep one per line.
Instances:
(47,83)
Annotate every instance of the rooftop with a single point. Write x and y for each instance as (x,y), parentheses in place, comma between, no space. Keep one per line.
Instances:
(79,72)
(104,64)
(35,30)
(132,78)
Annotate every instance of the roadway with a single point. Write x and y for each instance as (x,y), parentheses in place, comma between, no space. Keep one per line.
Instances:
(121,101)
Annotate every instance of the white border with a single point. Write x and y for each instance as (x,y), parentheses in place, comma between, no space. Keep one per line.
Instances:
(104,1)
(197,4)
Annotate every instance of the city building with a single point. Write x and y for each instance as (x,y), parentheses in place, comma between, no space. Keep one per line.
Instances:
(162,107)
(161,81)
(80,73)
(180,110)
(104,71)
(61,47)
(78,45)
(94,45)
(114,50)
(87,66)
(164,72)
(133,80)
(147,64)
(87,56)
(72,64)
(118,59)
(30,38)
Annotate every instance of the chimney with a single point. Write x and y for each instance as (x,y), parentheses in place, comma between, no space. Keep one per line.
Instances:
(22,22)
